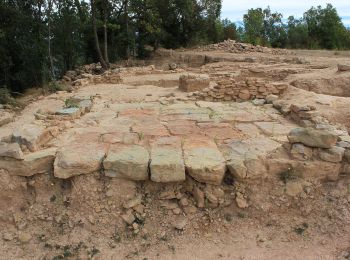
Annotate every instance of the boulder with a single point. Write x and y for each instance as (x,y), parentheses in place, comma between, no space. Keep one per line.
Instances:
(312,137)
(127,162)
(31,164)
(334,154)
(78,158)
(12,150)
(167,164)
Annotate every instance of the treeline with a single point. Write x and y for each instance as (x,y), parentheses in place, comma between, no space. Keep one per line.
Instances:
(319,28)
(41,39)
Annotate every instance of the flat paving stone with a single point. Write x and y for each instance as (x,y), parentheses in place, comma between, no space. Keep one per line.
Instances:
(273,128)
(167,164)
(220,131)
(183,128)
(203,161)
(127,162)
(33,163)
(150,129)
(71,112)
(248,129)
(78,158)
(184,111)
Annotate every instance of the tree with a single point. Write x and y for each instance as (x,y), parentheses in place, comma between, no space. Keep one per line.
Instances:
(254,26)
(325,28)
(97,44)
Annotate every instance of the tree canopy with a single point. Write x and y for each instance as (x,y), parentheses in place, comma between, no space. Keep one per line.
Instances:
(41,39)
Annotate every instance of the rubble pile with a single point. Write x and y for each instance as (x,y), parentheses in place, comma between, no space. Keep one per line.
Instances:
(238,47)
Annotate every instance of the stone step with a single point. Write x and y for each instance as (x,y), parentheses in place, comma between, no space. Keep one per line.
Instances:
(127,162)
(31,164)
(167,163)
(79,158)
(203,161)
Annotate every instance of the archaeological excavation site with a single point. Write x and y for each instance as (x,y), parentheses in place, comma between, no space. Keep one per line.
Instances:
(225,151)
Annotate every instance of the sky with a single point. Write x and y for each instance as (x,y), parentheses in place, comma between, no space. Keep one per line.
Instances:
(235,9)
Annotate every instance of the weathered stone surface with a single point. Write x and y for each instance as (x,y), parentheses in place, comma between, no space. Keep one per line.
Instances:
(343,67)
(120,137)
(273,128)
(167,164)
(345,168)
(271,98)
(150,130)
(85,105)
(191,82)
(12,150)
(203,160)
(183,127)
(241,201)
(312,137)
(78,158)
(128,162)
(32,136)
(184,111)
(308,170)
(258,102)
(220,131)
(301,152)
(72,112)
(5,117)
(247,158)
(347,156)
(334,154)
(33,163)
(320,170)
(248,129)
(237,168)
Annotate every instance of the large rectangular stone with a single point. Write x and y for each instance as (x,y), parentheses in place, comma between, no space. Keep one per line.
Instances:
(203,161)
(78,158)
(127,162)
(33,163)
(167,163)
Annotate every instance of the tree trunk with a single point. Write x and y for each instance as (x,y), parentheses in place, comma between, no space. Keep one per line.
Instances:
(97,44)
(126,18)
(49,38)
(105,32)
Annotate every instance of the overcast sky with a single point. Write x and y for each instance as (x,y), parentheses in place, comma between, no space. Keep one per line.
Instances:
(235,9)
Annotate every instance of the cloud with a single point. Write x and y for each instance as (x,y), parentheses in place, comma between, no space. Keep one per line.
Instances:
(235,9)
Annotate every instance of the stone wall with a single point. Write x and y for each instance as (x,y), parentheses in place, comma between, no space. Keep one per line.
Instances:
(227,88)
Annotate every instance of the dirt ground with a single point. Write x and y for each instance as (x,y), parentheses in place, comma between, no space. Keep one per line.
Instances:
(86,217)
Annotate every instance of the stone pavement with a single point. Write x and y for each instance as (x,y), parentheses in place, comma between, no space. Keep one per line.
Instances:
(148,140)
